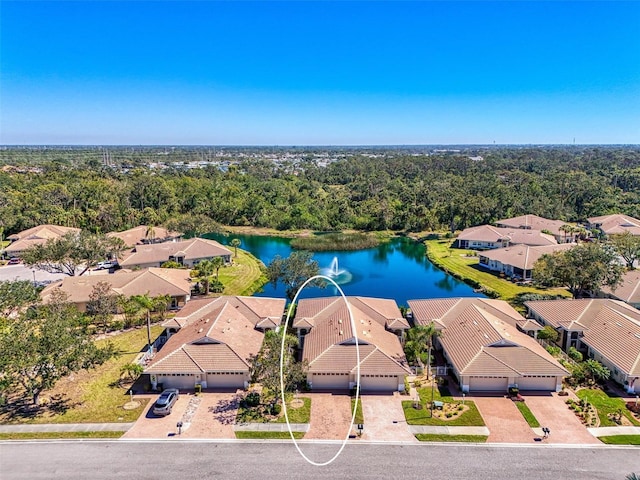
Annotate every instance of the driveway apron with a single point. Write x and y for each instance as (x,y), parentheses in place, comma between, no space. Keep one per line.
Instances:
(150,426)
(504,421)
(215,416)
(384,418)
(330,416)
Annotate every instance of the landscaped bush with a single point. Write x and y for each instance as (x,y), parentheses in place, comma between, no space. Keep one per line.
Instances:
(553,350)
(252,399)
(575,354)
(276,409)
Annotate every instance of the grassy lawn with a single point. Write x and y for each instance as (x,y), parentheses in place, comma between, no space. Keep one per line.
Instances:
(245,277)
(433,437)
(256,414)
(605,406)
(527,414)
(93,396)
(621,440)
(297,415)
(61,435)
(359,416)
(269,435)
(465,268)
(470,418)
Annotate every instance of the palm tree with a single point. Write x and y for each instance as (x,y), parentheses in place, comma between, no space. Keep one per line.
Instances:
(566,228)
(150,234)
(632,476)
(203,272)
(218,263)
(420,339)
(160,304)
(145,307)
(235,243)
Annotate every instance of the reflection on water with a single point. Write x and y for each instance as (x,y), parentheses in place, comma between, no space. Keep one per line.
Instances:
(398,269)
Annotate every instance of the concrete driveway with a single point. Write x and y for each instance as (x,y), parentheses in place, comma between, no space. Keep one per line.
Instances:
(150,426)
(215,416)
(330,416)
(384,418)
(504,421)
(551,411)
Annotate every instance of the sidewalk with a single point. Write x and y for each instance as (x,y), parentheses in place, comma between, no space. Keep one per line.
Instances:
(608,431)
(416,429)
(270,427)
(66,427)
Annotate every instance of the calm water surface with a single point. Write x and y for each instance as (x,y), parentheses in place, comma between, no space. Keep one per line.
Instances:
(398,270)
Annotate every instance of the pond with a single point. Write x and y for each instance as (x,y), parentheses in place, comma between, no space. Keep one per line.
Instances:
(398,270)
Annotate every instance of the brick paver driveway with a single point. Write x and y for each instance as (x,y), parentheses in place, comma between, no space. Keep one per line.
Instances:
(384,418)
(330,416)
(150,426)
(215,416)
(552,412)
(504,421)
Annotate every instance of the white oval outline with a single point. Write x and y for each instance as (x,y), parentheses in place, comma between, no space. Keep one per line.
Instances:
(284,402)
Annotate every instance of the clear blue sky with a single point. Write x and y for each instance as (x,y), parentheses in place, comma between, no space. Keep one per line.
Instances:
(319,73)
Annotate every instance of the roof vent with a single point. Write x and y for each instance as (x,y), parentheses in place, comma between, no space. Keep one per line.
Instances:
(201,330)
(618,324)
(486,336)
(228,320)
(206,320)
(340,321)
(475,323)
(637,335)
(340,332)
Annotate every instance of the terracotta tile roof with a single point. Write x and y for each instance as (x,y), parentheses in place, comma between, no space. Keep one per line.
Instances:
(331,337)
(579,314)
(481,338)
(488,233)
(528,324)
(154,281)
(138,235)
(193,249)
(617,223)
(533,222)
(617,338)
(36,236)
(221,339)
(629,290)
(524,256)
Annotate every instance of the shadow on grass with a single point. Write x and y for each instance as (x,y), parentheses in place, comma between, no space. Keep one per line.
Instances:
(20,409)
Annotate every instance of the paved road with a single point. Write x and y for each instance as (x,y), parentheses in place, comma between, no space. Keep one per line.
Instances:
(172,460)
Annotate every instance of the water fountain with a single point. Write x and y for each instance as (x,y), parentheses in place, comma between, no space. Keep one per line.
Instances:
(340,276)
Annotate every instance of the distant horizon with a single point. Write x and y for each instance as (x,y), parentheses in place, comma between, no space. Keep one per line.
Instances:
(222,145)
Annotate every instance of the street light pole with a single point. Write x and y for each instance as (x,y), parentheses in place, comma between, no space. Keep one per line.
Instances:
(34,277)
(432,387)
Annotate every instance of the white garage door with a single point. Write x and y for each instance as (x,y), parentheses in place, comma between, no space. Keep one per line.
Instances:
(488,384)
(536,383)
(181,382)
(378,383)
(225,380)
(330,381)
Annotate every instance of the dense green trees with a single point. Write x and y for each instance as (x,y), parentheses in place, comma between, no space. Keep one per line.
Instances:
(293,271)
(628,247)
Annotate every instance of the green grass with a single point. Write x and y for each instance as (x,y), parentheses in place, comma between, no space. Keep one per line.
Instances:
(621,439)
(298,415)
(606,405)
(93,396)
(61,435)
(454,261)
(470,418)
(245,277)
(433,437)
(359,415)
(336,242)
(256,414)
(527,414)
(269,435)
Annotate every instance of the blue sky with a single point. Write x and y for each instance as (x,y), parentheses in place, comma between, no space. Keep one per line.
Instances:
(319,73)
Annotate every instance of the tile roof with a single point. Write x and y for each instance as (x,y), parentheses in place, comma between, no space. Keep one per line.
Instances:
(629,290)
(579,314)
(193,249)
(617,338)
(138,235)
(533,222)
(617,223)
(36,236)
(524,256)
(488,233)
(330,345)
(154,281)
(481,338)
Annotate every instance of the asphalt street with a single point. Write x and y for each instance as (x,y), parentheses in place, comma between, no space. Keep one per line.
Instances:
(204,460)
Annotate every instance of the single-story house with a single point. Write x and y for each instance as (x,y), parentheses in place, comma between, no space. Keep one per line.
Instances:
(144,234)
(154,281)
(213,345)
(34,236)
(628,291)
(486,237)
(604,329)
(329,343)
(518,260)
(484,348)
(534,222)
(185,252)
(615,224)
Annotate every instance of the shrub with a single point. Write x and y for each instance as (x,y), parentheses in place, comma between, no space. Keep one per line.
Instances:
(575,354)
(276,408)
(252,399)
(553,350)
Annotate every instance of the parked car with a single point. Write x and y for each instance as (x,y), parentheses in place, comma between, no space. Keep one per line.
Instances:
(14,261)
(165,402)
(105,265)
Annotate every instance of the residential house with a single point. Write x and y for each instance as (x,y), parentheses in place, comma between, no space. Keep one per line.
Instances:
(210,343)
(628,291)
(604,329)
(518,260)
(483,347)
(329,343)
(185,252)
(615,224)
(154,281)
(144,235)
(34,236)
(534,222)
(486,237)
